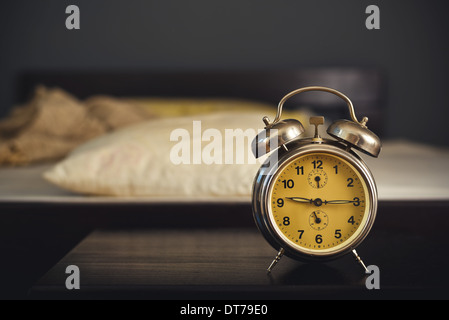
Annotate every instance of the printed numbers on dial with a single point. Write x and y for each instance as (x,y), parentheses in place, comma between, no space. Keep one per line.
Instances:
(318,201)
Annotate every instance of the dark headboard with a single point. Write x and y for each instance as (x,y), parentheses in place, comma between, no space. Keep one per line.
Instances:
(365,87)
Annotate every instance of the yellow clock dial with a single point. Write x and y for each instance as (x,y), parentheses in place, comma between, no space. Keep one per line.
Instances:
(319,202)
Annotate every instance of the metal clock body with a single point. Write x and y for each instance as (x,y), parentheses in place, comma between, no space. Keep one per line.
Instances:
(315,199)
(263,201)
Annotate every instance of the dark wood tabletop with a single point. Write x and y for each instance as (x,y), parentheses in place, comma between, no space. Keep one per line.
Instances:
(230,263)
(210,252)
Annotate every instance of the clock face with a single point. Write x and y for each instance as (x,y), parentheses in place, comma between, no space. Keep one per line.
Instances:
(319,203)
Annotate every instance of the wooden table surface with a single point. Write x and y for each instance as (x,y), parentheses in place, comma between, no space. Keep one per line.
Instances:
(231,264)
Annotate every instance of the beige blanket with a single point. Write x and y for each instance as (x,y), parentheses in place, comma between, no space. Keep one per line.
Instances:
(54,122)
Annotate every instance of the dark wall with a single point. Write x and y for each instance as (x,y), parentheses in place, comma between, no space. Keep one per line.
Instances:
(411,47)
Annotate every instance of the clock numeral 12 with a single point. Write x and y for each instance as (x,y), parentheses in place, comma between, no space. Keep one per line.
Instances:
(318,164)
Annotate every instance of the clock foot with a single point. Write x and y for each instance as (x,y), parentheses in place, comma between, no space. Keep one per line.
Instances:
(360,261)
(276,260)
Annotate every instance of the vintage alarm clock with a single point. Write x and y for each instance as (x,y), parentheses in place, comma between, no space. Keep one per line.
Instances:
(314,199)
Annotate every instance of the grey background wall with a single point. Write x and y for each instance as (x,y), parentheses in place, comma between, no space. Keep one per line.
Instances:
(411,47)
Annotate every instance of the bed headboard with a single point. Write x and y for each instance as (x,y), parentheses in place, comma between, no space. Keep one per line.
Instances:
(365,87)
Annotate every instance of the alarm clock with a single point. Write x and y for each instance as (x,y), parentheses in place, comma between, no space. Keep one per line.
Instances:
(314,198)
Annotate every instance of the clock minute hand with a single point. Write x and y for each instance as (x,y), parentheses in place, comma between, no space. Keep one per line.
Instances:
(300,199)
(339,201)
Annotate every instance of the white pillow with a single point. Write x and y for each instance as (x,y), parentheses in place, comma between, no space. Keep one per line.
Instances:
(135,161)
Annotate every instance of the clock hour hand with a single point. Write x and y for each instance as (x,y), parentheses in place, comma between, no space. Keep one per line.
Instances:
(300,199)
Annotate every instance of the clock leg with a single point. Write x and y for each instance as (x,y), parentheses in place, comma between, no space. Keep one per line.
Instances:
(360,261)
(276,260)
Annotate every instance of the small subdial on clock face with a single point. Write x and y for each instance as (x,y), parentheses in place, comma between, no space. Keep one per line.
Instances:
(317,178)
(318,220)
